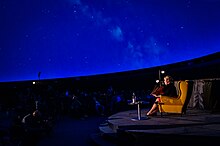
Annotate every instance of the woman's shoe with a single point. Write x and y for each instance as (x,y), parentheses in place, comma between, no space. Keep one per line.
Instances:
(151,115)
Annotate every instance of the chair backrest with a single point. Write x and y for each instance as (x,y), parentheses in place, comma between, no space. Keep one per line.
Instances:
(183,89)
(177,85)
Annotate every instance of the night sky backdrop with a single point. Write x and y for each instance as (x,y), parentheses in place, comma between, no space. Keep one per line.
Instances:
(69,38)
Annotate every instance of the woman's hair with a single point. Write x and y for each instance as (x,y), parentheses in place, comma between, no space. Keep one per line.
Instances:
(170,78)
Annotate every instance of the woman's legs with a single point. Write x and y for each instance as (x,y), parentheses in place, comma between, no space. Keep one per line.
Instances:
(154,108)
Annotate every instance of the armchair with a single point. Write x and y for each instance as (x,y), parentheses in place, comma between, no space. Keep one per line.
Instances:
(175,104)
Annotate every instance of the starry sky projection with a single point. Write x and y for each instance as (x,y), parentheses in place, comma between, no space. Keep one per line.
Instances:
(70,38)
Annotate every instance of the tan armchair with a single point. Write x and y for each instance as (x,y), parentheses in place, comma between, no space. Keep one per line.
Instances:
(175,104)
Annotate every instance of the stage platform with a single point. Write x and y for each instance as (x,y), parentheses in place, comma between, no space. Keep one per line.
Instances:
(193,128)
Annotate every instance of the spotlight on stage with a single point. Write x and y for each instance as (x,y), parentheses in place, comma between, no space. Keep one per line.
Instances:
(162,72)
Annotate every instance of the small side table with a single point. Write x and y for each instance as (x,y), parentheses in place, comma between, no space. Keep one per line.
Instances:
(138,103)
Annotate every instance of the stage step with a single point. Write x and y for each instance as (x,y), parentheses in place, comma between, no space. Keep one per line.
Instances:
(106,129)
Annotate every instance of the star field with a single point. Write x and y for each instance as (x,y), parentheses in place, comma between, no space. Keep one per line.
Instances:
(68,38)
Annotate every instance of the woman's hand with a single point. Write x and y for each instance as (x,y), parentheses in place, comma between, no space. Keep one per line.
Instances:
(157,96)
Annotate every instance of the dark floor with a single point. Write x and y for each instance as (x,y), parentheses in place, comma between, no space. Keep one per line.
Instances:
(70,131)
(67,131)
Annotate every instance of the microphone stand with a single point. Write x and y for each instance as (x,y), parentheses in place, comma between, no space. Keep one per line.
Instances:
(39,91)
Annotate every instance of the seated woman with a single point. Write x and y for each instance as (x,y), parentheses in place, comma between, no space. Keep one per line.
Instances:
(168,89)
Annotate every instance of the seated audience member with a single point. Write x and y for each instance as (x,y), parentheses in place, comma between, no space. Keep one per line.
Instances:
(99,107)
(33,120)
(167,89)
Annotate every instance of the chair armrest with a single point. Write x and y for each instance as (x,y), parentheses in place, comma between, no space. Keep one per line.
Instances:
(170,100)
